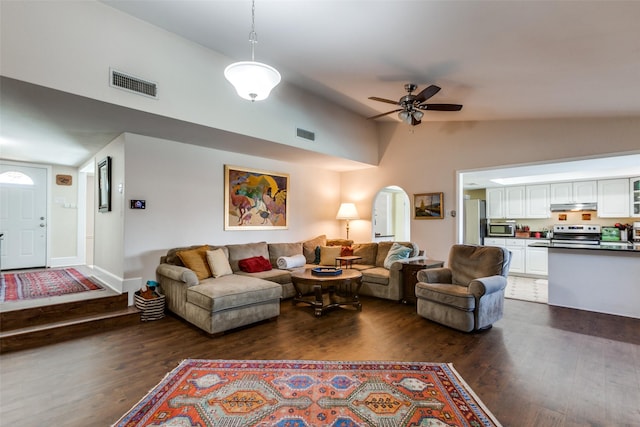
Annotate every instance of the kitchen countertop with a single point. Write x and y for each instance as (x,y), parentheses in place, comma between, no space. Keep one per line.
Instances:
(603,246)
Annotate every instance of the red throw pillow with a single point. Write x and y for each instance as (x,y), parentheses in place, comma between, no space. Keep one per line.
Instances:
(254,264)
(346,251)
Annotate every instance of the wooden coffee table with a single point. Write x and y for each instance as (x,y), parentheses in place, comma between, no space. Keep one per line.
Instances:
(342,290)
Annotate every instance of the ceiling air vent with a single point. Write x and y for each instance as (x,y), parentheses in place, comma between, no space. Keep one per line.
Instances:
(305,134)
(133,84)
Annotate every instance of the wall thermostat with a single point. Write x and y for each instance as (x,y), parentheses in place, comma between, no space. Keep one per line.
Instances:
(137,204)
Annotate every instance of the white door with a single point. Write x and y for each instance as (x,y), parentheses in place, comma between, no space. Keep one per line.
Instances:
(23,222)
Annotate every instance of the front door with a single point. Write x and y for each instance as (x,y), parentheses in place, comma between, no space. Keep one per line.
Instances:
(23,222)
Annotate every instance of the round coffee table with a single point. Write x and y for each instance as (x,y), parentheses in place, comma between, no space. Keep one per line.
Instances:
(342,290)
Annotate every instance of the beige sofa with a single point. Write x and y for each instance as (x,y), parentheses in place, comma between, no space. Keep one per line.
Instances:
(217,304)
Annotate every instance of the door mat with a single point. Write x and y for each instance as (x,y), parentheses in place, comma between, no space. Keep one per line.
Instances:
(44,284)
(310,393)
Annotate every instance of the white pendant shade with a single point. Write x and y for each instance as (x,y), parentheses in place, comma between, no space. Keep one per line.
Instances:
(252,80)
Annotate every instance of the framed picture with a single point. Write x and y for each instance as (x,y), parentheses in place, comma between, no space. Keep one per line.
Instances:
(255,199)
(428,206)
(104,185)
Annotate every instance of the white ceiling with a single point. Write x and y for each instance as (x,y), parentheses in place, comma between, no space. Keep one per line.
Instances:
(500,59)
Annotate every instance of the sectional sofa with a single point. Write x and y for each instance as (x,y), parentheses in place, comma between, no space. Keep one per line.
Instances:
(208,286)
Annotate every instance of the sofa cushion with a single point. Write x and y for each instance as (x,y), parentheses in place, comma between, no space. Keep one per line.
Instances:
(383,250)
(367,251)
(396,253)
(196,260)
(339,242)
(232,291)
(246,250)
(377,275)
(451,295)
(172,254)
(328,254)
(254,264)
(218,263)
(309,247)
(276,250)
(281,277)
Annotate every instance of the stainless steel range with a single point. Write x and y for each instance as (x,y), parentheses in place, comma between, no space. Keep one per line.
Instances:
(579,234)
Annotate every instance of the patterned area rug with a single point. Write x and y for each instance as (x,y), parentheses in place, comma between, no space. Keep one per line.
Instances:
(310,393)
(44,283)
(527,289)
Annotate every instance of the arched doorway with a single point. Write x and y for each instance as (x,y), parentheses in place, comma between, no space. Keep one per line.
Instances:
(391,215)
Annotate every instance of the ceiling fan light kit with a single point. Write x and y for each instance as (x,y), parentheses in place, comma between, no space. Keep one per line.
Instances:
(252,80)
(412,104)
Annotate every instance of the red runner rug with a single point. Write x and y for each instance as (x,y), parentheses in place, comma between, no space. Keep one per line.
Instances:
(298,393)
(43,284)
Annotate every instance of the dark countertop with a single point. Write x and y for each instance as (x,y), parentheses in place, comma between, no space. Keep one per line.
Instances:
(603,246)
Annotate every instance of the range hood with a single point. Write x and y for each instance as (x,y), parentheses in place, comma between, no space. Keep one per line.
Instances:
(573,207)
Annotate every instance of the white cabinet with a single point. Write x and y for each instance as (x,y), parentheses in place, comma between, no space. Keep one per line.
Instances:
(495,203)
(536,259)
(613,198)
(634,185)
(515,202)
(574,192)
(495,241)
(517,248)
(537,201)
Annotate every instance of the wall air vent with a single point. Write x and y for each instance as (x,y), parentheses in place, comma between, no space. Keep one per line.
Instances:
(305,134)
(133,84)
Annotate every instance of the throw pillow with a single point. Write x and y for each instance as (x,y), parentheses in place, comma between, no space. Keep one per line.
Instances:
(218,263)
(309,247)
(316,260)
(328,254)
(396,253)
(346,251)
(254,264)
(196,260)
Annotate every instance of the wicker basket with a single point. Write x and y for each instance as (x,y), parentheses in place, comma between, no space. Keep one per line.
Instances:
(152,309)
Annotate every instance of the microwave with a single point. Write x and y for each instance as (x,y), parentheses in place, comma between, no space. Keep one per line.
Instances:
(501,229)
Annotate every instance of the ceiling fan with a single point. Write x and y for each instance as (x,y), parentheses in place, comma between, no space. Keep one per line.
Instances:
(412,104)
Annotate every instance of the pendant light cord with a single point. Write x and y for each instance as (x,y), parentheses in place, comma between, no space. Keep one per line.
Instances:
(253,37)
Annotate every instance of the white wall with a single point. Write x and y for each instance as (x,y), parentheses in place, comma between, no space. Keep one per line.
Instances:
(183,186)
(64,217)
(425,159)
(74,51)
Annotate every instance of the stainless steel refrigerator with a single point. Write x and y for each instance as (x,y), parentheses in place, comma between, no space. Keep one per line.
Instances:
(475,221)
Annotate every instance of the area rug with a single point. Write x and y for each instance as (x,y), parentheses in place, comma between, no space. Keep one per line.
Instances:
(44,283)
(527,289)
(296,393)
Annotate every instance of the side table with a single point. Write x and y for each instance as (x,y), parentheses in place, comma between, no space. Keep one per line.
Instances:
(346,261)
(409,277)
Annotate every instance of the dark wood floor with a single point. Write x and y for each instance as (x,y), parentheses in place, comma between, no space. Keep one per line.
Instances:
(539,366)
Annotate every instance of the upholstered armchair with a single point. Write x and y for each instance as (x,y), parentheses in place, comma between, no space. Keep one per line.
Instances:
(468,294)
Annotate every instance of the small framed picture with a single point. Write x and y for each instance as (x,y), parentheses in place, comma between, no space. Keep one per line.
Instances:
(104,185)
(428,206)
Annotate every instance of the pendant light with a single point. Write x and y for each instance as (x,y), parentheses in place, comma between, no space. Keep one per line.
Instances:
(252,80)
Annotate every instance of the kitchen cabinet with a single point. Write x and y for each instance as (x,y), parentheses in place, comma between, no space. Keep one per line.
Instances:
(495,241)
(495,202)
(536,259)
(613,198)
(517,248)
(634,208)
(515,202)
(574,192)
(537,201)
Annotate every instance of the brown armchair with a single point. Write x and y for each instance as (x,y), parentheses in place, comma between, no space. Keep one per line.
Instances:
(468,294)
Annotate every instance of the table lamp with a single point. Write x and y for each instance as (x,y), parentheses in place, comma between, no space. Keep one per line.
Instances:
(347,211)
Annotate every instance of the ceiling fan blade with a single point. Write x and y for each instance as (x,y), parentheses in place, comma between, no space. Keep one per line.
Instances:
(441,107)
(388,101)
(427,93)
(384,114)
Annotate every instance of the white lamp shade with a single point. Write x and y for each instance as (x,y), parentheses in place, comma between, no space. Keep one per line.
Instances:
(347,211)
(252,80)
